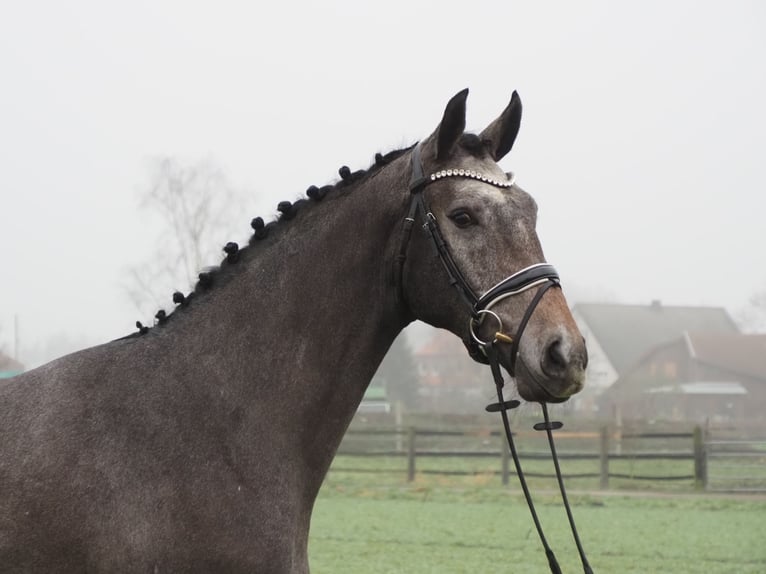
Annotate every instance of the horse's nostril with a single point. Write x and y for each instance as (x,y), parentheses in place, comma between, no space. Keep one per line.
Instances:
(555,361)
(556,355)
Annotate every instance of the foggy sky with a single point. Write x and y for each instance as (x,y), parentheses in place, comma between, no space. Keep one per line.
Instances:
(642,138)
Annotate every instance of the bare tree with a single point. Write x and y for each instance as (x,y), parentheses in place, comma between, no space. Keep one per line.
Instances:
(752,318)
(198,208)
(398,374)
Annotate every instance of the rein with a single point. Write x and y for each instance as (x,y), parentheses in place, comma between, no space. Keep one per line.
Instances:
(541,276)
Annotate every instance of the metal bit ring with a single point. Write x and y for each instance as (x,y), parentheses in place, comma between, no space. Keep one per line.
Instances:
(473,322)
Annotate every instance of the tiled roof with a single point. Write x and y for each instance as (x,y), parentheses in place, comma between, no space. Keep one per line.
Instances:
(741,354)
(441,343)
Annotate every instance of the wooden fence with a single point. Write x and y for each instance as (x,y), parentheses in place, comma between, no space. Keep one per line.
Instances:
(735,464)
(612,449)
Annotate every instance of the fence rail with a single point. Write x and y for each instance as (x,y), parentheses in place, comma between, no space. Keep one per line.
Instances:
(611,452)
(736,465)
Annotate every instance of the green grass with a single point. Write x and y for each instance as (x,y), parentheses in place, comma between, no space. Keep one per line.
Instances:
(369,519)
(423,528)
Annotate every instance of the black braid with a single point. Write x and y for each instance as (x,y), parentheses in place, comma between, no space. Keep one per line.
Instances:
(261,231)
(206,279)
(232,252)
(348,177)
(287,209)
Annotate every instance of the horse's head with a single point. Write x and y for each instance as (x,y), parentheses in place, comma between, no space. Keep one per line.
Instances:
(487,225)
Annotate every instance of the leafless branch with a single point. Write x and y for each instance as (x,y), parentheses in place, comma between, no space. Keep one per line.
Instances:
(196,203)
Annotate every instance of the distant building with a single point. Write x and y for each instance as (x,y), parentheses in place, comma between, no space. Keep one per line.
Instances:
(374,400)
(696,377)
(618,336)
(450,381)
(9,367)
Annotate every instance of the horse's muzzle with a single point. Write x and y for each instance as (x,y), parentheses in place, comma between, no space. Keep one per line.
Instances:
(559,375)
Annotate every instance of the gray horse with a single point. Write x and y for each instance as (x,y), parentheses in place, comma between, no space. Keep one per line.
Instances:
(199,445)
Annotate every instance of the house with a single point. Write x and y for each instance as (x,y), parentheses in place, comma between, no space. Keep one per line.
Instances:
(699,376)
(618,335)
(9,367)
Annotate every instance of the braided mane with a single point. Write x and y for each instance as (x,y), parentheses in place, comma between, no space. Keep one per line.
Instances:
(214,276)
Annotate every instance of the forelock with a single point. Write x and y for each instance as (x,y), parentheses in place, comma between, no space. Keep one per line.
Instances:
(474,145)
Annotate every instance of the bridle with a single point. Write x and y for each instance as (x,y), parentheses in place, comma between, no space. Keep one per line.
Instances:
(541,276)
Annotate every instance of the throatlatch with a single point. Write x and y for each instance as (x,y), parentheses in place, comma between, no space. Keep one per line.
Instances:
(542,275)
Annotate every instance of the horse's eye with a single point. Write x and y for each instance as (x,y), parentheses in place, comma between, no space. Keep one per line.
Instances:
(461,218)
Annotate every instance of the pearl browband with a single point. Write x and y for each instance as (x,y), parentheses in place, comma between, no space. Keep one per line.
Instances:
(472,174)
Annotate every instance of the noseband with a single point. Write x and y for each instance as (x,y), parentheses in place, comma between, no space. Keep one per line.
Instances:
(541,276)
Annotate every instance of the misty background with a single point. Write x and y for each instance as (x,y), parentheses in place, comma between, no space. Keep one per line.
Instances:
(642,138)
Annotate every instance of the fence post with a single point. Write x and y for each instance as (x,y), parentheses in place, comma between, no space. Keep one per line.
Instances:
(700,459)
(410,454)
(398,408)
(505,457)
(604,457)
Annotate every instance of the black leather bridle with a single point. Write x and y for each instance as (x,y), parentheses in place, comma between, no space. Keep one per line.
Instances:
(541,276)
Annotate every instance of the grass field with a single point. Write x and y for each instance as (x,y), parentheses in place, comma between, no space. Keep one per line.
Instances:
(424,528)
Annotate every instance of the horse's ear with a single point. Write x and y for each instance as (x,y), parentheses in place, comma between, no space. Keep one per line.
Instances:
(501,133)
(452,125)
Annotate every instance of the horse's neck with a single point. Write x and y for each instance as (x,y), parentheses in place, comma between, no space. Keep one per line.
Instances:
(294,337)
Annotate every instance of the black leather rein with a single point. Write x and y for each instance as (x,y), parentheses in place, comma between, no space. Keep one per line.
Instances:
(541,276)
